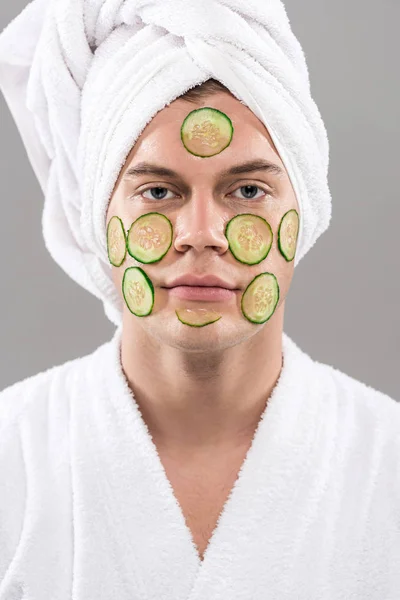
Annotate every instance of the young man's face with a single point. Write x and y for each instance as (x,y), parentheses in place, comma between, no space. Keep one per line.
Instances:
(199,204)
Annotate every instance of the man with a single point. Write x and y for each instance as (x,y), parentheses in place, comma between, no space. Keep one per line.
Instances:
(202,390)
(200,453)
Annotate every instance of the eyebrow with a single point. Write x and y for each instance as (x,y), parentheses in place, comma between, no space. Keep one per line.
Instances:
(145,168)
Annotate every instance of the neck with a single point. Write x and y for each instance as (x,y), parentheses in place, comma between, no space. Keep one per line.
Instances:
(202,399)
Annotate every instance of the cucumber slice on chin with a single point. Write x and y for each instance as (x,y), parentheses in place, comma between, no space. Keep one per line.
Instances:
(288,233)
(250,238)
(260,298)
(116,241)
(138,291)
(149,237)
(206,132)
(197,317)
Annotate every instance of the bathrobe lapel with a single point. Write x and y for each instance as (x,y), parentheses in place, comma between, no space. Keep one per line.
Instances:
(131,539)
(248,557)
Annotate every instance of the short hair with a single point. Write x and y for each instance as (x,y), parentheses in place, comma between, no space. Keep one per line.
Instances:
(197,93)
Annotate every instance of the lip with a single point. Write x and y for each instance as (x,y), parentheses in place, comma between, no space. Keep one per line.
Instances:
(204,293)
(205,281)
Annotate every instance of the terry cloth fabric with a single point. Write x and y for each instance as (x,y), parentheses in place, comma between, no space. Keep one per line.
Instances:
(83,78)
(87,511)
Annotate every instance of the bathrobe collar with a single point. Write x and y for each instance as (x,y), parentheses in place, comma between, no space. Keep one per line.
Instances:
(129,509)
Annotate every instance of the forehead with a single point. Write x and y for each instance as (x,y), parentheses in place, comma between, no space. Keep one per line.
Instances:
(160,141)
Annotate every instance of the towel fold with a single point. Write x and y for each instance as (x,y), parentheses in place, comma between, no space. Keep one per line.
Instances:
(83,78)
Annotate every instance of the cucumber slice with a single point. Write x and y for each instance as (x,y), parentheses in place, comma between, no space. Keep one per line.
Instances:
(197,317)
(250,238)
(149,237)
(260,298)
(138,291)
(116,241)
(288,233)
(206,131)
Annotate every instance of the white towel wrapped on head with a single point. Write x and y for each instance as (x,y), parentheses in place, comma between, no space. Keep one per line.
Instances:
(84,77)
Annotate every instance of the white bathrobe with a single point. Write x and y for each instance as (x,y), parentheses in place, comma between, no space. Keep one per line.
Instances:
(87,512)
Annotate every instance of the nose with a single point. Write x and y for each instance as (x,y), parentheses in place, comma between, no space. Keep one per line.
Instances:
(200,224)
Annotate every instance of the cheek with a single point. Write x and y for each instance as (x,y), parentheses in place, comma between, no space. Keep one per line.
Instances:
(117,204)
(282,270)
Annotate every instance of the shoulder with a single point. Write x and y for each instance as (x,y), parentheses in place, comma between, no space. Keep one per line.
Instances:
(343,393)
(356,395)
(41,402)
(364,421)
(31,393)
(367,422)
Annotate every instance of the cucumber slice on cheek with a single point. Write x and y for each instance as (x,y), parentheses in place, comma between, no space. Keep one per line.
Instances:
(138,291)
(149,237)
(250,238)
(260,298)
(116,241)
(288,233)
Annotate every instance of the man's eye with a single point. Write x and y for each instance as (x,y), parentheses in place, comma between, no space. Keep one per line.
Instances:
(249,191)
(159,194)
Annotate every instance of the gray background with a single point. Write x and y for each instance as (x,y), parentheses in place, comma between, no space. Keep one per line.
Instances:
(343,306)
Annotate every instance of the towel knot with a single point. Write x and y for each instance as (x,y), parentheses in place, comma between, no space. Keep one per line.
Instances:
(182,18)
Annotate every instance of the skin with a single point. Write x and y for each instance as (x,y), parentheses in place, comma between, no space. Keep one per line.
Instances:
(201,390)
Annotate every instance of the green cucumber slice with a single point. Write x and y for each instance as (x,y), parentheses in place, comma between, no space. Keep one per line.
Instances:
(260,298)
(116,241)
(288,233)
(206,131)
(250,238)
(197,317)
(138,291)
(149,237)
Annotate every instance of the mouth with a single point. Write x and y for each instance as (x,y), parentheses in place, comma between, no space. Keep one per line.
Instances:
(201,292)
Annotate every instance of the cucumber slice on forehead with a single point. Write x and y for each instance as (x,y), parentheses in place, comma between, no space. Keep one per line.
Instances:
(250,238)
(206,131)
(288,233)
(116,241)
(138,291)
(149,237)
(260,298)
(197,317)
